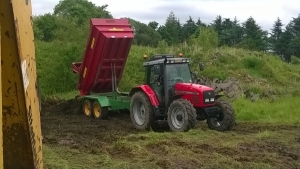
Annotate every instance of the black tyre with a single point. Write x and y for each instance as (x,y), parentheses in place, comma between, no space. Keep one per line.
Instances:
(141,111)
(226,120)
(99,112)
(181,115)
(87,107)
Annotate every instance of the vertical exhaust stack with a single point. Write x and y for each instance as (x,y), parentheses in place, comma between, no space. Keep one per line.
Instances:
(105,55)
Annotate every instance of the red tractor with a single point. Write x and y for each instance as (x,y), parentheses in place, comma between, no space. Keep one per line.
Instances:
(170,94)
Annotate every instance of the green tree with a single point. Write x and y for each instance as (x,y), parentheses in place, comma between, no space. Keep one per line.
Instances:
(285,39)
(217,25)
(153,25)
(227,32)
(188,28)
(237,32)
(207,39)
(180,32)
(289,41)
(254,37)
(144,34)
(276,33)
(68,31)
(80,11)
(231,33)
(171,30)
(166,36)
(199,23)
(44,27)
(294,28)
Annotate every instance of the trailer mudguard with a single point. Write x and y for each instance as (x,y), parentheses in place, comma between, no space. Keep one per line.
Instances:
(148,91)
(103,100)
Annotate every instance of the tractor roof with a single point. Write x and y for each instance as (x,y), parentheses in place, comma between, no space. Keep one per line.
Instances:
(165,58)
(161,56)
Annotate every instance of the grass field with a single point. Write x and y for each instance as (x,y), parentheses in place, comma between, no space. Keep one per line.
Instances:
(266,136)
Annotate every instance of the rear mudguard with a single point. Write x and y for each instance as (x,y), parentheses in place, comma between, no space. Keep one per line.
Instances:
(148,91)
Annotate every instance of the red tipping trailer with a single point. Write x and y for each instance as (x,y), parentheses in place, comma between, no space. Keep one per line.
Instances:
(109,43)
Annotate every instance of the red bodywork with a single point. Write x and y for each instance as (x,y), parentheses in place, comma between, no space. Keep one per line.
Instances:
(189,91)
(109,42)
(193,93)
(149,92)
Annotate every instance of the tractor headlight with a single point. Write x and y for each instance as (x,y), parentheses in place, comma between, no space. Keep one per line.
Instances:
(209,97)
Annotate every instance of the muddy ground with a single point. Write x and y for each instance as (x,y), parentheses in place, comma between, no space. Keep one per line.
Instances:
(249,145)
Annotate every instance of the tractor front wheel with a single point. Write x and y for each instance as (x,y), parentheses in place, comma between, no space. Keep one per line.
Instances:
(181,115)
(226,119)
(141,111)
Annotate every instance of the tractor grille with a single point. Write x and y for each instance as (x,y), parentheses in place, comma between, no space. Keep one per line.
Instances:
(195,99)
(209,97)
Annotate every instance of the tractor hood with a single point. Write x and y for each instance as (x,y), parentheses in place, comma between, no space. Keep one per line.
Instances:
(191,87)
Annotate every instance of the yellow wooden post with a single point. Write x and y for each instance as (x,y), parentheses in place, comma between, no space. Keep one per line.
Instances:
(21,132)
(1,133)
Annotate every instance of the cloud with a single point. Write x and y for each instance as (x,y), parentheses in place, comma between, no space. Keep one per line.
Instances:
(43,6)
(291,9)
(160,13)
(265,12)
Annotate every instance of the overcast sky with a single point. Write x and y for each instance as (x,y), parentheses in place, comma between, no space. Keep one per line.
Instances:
(265,12)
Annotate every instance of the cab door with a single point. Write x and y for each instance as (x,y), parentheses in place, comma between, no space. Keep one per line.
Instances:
(156,82)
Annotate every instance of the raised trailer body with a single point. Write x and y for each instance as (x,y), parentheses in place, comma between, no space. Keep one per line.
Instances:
(102,66)
(108,45)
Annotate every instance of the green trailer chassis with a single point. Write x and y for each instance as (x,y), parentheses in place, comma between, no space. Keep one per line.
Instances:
(99,104)
(104,102)
(112,100)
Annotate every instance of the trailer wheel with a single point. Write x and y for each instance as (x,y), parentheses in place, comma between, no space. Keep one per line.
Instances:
(87,107)
(226,120)
(181,115)
(98,111)
(141,111)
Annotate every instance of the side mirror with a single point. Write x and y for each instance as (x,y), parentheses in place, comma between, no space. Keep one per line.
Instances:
(201,66)
(157,69)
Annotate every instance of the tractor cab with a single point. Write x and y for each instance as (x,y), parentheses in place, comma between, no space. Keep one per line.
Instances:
(163,72)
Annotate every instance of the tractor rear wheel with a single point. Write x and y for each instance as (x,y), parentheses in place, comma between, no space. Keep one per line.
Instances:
(181,115)
(87,107)
(226,120)
(141,111)
(98,111)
